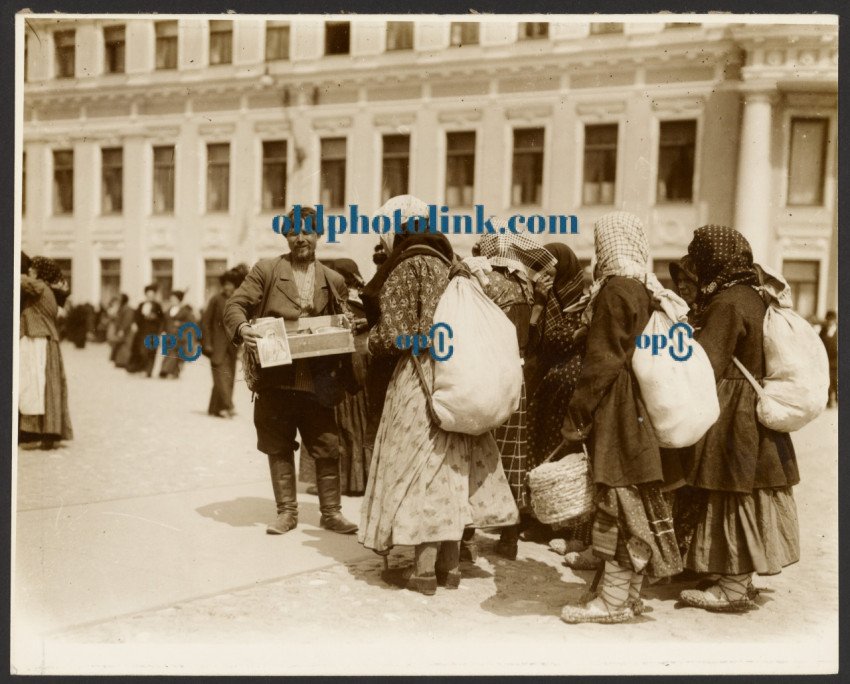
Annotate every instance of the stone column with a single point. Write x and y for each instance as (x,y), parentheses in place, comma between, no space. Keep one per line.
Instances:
(753,195)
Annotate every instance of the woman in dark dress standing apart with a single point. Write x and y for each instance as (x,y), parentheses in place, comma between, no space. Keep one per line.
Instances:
(742,472)
(633,526)
(218,348)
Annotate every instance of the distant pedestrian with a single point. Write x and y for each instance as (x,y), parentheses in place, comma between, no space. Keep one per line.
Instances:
(176,315)
(121,336)
(217,347)
(44,418)
(829,336)
(147,321)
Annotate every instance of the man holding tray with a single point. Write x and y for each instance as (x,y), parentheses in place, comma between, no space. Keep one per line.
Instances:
(299,396)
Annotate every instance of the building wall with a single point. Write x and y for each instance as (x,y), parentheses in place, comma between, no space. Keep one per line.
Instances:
(638,78)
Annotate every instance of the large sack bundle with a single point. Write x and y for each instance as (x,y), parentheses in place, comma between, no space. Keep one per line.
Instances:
(680,396)
(478,387)
(796,382)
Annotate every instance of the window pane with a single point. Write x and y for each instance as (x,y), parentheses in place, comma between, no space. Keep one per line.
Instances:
(221,42)
(600,27)
(166,45)
(806,164)
(110,279)
(163,179)
(333,172)
(460,169)
(112,177)
(65,53)
(113,39)
(531,30)
(163,276)
(676,161)
(63,181)
(337,38)
(803,277)
(277,42)
(218,177)
(213,268)
(527,178)
(399,35)
(274,175)
(600,164)
(396,166)
(464,33)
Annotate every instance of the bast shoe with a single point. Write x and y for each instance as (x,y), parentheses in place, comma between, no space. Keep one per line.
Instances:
(752,591)
(716,604)
(596,611)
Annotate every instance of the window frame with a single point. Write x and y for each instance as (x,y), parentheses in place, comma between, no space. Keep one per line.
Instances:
(446,153)
(220,28)
(346,175)
(207,163)
(276,160)
(662,117)
(166,25)
(104,167)
(107,43)
(464,24)
(511,137)
(397,26)
(272,25)
(396,155)
(67,168)
(584,124)
(154,167)
(57,50)
(825,158)
(326,52)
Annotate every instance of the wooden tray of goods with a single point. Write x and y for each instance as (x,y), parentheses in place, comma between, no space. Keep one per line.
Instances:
(319,336)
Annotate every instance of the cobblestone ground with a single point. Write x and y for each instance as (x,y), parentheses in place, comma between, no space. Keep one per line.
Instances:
(504,617)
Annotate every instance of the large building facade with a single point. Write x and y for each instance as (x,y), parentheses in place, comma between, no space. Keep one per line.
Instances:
(159,149)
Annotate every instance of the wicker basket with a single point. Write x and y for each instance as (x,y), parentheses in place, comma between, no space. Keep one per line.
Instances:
(563,490)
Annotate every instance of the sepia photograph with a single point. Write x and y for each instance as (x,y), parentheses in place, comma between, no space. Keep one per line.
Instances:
(425,344)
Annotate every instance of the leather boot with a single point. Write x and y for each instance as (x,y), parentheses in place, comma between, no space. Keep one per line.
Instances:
(282,468)
(507,546)
(448,560)
(327,482)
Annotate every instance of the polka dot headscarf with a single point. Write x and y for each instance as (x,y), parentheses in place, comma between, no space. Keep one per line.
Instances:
(722,258)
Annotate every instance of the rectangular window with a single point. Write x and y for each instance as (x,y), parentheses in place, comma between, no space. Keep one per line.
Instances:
(464,33)
(600,164)
(807,161)
(221,42)
(802,276)
(274,175)
(218,177)
(163,179)
(112,176)
(337,37)
(166,45)
(63,181)
(396,166)
(213,268)
(600,27)
(333,172)
(399,35)
(527,179)
(65,53)
(677,148)
(113,49)
(110,279)
(277,41)
(65,268)
(163,277)
(531,30)
(460,168)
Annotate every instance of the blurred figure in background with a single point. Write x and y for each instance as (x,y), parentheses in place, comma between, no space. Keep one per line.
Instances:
(684,279)
(121,335)
(147,321)
(829,336)
(79,322)
(44,418)
(217,346)
(176,315)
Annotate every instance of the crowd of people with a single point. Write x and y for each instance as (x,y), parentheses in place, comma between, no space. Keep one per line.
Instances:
(712,515)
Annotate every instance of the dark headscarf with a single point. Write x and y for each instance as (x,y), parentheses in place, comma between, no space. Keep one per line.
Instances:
(722,258)
(569,274)
(46,269)
(406,244)
(683,268)
(234,275)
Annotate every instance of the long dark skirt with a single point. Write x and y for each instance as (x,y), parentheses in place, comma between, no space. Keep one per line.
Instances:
(171,365)
(735,533)
(633,527)
(55,423)
(223,375)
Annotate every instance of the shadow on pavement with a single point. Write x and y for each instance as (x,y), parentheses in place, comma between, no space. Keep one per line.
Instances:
(247,511)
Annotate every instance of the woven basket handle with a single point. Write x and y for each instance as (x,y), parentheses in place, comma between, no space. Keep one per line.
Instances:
(559,447)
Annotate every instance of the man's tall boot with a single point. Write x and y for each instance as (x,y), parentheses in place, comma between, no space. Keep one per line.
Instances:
(327,482)
(282,468)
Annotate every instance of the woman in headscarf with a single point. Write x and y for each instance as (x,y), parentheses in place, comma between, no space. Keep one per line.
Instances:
(425,484)
(743,472)
(684,279)
(44,418)
(352,412)
(633,527)
(176,315)
(514,258)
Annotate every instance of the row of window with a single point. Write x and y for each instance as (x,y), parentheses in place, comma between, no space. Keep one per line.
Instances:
(399,36)
(674,183)
(802,275)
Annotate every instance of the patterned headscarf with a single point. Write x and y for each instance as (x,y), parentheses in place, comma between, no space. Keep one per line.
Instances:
(517,251)
(722,258)
(46,269)
(622,249)
(569,274)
